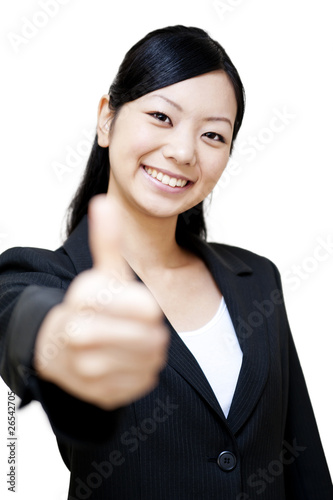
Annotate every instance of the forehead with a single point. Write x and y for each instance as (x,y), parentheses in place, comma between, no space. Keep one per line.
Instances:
(211,92)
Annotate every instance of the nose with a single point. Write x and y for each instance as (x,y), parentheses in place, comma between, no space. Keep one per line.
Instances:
(181,147)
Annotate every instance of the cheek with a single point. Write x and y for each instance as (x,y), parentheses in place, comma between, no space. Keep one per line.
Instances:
(129,140)
(141,142)
(213,173)
(217,168)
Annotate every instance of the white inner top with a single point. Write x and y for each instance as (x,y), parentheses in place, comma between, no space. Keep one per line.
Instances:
(216,348)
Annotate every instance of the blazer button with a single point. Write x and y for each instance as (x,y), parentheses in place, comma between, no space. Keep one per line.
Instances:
(226,461)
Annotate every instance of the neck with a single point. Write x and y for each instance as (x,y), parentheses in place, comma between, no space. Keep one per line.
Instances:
(150,242)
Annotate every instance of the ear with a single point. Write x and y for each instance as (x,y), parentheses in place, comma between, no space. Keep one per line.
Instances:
(104,119)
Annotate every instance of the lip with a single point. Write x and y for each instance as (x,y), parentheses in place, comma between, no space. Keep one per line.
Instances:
(165,187)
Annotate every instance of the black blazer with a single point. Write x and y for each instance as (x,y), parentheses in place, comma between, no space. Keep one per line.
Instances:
(175,443)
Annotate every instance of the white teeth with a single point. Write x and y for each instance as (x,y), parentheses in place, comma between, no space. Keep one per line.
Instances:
(165,179)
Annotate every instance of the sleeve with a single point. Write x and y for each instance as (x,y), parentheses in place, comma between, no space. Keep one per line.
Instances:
(32,281)
(306,471)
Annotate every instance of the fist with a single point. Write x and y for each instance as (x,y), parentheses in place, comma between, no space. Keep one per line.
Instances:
(114,339)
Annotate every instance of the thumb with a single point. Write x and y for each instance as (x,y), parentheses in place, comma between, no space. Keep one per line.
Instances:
(105,238)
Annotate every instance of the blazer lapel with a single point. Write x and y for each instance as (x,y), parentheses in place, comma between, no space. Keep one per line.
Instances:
(233,276)
(253,341)
(182,360)
(77,247)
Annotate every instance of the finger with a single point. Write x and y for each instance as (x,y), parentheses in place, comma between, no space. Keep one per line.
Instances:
(105,238)
(129,334)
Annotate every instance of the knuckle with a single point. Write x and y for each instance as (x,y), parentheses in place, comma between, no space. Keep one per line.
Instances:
(84,369)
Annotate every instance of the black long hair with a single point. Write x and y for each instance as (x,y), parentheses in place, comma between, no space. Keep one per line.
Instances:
(163,57)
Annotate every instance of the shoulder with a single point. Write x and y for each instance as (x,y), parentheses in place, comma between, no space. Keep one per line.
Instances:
(22,260)
(243,261)
(65,262)
(252,259)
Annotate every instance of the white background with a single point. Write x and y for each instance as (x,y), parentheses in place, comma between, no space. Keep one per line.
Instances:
(276,201)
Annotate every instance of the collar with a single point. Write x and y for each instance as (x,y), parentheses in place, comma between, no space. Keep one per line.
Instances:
(77,246)
(214,255)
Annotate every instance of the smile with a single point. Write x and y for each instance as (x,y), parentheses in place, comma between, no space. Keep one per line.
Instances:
(164,178)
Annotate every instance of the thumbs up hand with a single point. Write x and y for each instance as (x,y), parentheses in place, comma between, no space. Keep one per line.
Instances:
(114,341)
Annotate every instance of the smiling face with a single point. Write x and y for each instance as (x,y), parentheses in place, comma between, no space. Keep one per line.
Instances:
(168,148)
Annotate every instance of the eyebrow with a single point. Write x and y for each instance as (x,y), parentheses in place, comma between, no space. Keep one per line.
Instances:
(209,119)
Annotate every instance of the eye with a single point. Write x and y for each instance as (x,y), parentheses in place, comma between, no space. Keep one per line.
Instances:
(160,117)
(215,137)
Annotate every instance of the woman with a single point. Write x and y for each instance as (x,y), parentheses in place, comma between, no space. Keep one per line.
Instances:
(165,364)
